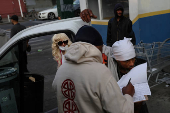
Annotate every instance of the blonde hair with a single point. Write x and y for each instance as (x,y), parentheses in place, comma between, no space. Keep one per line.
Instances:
(55,48)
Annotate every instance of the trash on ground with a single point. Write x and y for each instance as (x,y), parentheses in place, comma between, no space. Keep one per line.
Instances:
(168,82)
(165,79)
(39,50)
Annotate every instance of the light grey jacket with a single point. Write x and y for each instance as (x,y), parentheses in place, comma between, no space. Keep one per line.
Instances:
(84,85)
(112,65)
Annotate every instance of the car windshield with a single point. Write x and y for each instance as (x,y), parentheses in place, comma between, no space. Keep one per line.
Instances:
(76,2)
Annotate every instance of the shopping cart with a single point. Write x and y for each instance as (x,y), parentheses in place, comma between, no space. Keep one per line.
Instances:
(157,55)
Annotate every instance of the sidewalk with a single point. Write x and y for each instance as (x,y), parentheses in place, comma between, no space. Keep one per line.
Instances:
(5,21)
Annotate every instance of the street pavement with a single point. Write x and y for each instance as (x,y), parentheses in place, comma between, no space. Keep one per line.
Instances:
(159,101)
(40,61)
(25,23)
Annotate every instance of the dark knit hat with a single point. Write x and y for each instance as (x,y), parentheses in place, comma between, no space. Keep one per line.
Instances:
(117,7)
(14,17)
(90,35)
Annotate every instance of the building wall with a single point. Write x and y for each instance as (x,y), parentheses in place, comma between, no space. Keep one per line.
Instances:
(93,5)
(151,20)
(83,4)
(153,28)
(11,7)
(102,30)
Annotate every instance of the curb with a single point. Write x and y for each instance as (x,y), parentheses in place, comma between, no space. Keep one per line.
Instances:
(6,22)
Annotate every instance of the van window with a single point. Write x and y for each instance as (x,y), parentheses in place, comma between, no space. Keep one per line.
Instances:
(9,82)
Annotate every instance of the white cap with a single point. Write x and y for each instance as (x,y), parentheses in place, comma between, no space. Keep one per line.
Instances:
(123,49)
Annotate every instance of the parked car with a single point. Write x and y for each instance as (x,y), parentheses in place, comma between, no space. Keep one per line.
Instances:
(49,13)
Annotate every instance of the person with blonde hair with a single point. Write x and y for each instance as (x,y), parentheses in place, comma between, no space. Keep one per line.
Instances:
(60,42)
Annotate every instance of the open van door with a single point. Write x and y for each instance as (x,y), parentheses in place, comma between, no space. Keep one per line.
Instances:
(15,96)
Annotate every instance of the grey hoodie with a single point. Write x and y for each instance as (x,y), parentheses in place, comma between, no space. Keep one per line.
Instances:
(84,85)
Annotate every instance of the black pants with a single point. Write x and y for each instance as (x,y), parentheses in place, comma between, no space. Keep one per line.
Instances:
(144,108)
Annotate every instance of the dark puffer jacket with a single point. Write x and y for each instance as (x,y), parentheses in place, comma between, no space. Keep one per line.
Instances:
(117,30)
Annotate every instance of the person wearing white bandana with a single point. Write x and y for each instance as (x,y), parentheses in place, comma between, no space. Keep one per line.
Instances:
(60,43)
(121,59)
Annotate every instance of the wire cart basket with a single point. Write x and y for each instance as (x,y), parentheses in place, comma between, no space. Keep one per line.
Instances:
(157,55)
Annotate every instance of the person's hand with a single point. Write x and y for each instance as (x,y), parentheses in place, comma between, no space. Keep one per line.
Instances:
(59,18)
(86,15)
(129,89)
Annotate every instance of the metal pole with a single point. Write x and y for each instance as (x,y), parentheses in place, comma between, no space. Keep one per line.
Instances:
(20,8)
(100,9)
(8,18)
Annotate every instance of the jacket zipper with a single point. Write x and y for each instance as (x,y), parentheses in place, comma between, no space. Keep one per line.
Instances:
(117,30)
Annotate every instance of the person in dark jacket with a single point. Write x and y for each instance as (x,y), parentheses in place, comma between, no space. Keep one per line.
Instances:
(15,29)
(17,26)
(118,27)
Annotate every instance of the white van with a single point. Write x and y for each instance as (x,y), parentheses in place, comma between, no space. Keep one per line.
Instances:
(13,89)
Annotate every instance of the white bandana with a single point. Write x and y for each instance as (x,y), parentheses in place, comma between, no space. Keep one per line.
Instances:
(63,48)
(123,50)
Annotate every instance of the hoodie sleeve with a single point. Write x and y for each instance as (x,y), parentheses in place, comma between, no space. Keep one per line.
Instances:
(113,101)
(106,50)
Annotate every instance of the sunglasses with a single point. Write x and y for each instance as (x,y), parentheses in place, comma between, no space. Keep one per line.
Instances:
(60,43)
